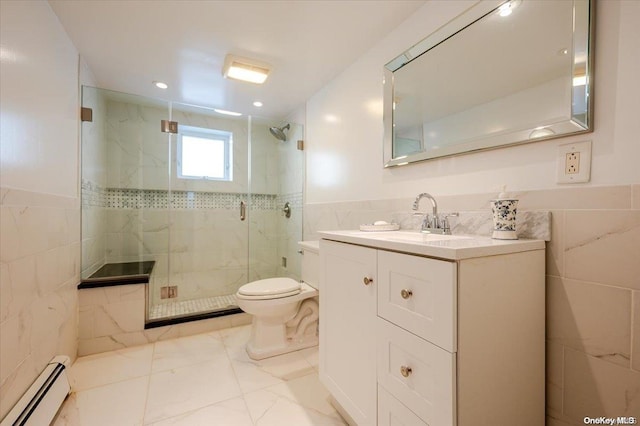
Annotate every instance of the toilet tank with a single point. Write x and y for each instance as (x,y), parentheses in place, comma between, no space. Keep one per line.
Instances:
(310,262)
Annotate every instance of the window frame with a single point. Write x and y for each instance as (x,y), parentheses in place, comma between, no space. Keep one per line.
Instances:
(212,134)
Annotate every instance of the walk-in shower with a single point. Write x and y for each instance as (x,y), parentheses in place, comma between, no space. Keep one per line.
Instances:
(201,200)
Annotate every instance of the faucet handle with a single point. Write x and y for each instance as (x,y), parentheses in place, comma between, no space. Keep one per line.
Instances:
(445,222)
(426,221)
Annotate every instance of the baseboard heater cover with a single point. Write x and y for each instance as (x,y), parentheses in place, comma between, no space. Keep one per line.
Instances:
(40,403)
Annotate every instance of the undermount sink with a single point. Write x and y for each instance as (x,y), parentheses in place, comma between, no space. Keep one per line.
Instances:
(412,236)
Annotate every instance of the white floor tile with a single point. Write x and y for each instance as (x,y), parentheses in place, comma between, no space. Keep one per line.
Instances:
(184,389)
(232,412)
(253,375)
(189,350)
(236,337)
(119,404)
(312,355)
(110,367)
(206,379)
(299,402)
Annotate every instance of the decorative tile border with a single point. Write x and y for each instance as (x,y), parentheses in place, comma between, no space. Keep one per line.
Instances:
(94,195)
(294,199)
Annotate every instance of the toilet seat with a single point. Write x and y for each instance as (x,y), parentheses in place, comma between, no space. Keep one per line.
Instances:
(270,288)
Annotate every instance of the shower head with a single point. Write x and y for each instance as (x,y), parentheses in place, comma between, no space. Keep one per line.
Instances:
(278,132)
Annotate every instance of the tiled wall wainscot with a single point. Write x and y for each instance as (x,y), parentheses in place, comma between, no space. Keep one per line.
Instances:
(114,317)
(39,271)
(592,286)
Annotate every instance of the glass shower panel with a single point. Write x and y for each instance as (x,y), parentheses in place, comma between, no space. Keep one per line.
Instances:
(207,205)
(124,184)
(208,237)
(277,179)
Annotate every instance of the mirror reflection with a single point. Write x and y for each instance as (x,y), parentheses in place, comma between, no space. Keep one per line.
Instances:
(499,74)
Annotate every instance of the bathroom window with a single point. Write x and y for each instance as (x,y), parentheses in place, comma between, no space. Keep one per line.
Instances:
(204,154)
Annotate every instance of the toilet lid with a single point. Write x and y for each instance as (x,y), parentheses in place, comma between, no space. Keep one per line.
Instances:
(271,287)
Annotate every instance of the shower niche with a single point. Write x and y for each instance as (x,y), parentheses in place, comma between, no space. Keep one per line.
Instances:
(202,202)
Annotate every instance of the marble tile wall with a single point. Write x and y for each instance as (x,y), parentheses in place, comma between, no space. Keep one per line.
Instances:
(39,272)
(291,182)
(202,251)
(194,233)
(592,286)
(93,182)
(112,318)
(200,244)
(289,234)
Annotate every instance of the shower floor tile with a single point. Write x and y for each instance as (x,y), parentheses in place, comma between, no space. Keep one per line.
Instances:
(199,380)
(194,306)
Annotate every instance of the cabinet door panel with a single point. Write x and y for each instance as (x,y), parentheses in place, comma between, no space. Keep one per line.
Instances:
(419,294)
(347,328)
(419,374)
(392,412)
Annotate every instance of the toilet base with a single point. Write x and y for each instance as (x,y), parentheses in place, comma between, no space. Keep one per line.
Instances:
(288,346)
(270,339)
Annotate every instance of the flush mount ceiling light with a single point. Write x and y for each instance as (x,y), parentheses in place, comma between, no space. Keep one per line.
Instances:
(257,104)
(160,85)
(245,69)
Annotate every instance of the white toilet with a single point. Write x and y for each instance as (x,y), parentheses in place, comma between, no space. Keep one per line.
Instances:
(285,311)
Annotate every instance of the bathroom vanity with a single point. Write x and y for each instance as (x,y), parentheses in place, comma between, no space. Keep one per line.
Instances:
(423,329)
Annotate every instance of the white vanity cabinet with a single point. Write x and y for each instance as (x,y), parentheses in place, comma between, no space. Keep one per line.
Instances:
(348,331)
(433,340)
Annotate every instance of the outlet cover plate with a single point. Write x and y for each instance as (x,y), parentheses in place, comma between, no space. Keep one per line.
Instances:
(584,164)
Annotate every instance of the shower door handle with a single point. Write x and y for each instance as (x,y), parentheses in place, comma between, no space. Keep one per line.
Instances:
(243,210)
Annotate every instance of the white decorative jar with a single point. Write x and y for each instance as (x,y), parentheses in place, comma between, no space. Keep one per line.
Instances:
(504,218)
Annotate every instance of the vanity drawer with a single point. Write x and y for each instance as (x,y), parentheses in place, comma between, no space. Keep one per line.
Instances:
(418,373)
(392,412)
(419,294)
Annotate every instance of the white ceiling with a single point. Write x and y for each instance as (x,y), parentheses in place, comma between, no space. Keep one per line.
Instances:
(128,44)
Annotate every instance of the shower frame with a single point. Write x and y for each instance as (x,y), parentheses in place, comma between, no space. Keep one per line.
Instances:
(142,225)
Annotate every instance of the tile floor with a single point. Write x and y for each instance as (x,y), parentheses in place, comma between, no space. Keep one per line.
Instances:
(186,307)
(206,379)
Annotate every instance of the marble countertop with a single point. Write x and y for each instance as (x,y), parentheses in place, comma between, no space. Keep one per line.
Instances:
(449,247)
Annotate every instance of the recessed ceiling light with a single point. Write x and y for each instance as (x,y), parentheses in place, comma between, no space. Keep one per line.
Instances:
(257,104)
(507,8)
(245,69)
(225,112)
(160,85)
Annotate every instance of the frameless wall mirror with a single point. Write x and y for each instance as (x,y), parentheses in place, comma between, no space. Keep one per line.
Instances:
(501,73)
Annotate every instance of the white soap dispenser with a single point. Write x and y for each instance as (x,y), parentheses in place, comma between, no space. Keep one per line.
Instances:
(504,210)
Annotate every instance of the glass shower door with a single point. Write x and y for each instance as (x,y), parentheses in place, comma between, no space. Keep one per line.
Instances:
(277,180)
(213,203)
(125,222)
(208,235)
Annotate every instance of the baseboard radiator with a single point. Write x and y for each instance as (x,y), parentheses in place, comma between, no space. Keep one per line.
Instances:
(40,403)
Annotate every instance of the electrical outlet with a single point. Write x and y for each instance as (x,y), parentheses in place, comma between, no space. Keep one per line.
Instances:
(574,162)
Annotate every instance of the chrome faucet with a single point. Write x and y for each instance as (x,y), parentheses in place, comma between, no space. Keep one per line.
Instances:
(433,224)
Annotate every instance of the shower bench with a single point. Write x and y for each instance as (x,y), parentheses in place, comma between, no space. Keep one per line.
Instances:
(113,311)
